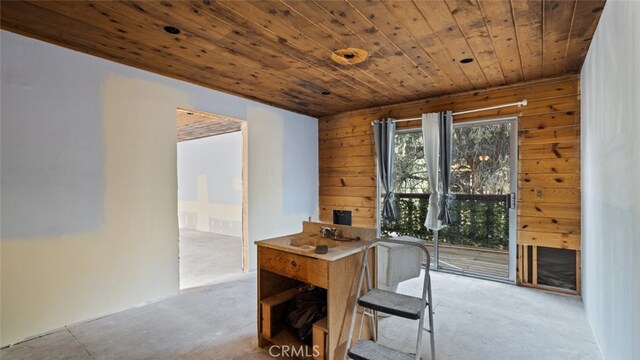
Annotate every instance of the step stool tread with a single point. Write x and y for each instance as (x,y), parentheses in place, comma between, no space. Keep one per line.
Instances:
(369,350)
(393,303)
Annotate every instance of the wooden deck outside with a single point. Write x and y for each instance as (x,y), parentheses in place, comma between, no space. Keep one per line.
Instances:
(491,262)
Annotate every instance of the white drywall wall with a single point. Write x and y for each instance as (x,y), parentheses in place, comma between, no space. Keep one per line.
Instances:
(120,248)
(210,184)
(610,87)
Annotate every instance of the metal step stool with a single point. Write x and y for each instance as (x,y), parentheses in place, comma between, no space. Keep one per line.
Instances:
(391,303)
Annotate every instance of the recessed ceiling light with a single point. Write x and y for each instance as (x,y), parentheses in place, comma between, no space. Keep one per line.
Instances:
(349,56)
(326,92)
(466,61)
(172,30)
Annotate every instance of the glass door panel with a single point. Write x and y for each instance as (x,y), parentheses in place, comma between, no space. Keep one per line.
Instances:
(480,240)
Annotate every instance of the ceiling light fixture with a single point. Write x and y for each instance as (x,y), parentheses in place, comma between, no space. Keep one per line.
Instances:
(349,56)
(172,30)
(466,61)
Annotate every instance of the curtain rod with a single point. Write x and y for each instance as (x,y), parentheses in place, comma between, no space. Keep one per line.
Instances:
(518,104)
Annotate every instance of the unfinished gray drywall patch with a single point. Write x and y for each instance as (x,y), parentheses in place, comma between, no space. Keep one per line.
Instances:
(298,178)
(52,151)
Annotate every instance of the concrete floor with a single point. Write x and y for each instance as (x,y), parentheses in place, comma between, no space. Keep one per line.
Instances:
(475,319)
(207,257)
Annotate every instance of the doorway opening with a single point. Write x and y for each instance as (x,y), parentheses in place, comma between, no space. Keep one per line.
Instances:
(212,197)
(481,241)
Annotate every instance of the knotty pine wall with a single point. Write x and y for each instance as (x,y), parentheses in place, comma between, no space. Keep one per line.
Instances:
(548,158)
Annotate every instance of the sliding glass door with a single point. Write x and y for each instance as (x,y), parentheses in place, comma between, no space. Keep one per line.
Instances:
(481,240)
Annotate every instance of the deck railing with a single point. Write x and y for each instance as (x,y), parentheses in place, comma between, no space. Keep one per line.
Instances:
(478,220)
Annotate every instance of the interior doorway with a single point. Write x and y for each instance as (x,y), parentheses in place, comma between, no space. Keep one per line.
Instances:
(212,197)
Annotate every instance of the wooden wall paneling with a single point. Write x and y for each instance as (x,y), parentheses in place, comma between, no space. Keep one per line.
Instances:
(566,181)
(566,149)
(368,213)
(344,162)
(346,191)
(536,90)
(550,135)
(348,171)
(549,210)
(550,225)
(550,166)
(346,132)
(348,181)
(543,195)
(548,158)
(357,201)
(357,140)
(549,120)
(358,150)
(551,240)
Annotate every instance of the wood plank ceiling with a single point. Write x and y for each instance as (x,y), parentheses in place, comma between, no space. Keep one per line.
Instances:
(278,52)
(195,125)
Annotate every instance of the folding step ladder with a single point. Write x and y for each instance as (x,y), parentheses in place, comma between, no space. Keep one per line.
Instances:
(391,303)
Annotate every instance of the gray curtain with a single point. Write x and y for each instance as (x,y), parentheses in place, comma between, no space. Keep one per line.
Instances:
(446,129)
(384,136)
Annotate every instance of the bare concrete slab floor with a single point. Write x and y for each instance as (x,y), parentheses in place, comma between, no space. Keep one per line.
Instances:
(479,319)
(206,257)
(475,319)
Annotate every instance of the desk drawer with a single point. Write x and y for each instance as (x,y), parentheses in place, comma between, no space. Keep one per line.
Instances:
(302,268)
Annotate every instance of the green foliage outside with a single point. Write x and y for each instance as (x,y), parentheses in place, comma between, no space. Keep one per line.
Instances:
(480,166)
(476,223)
